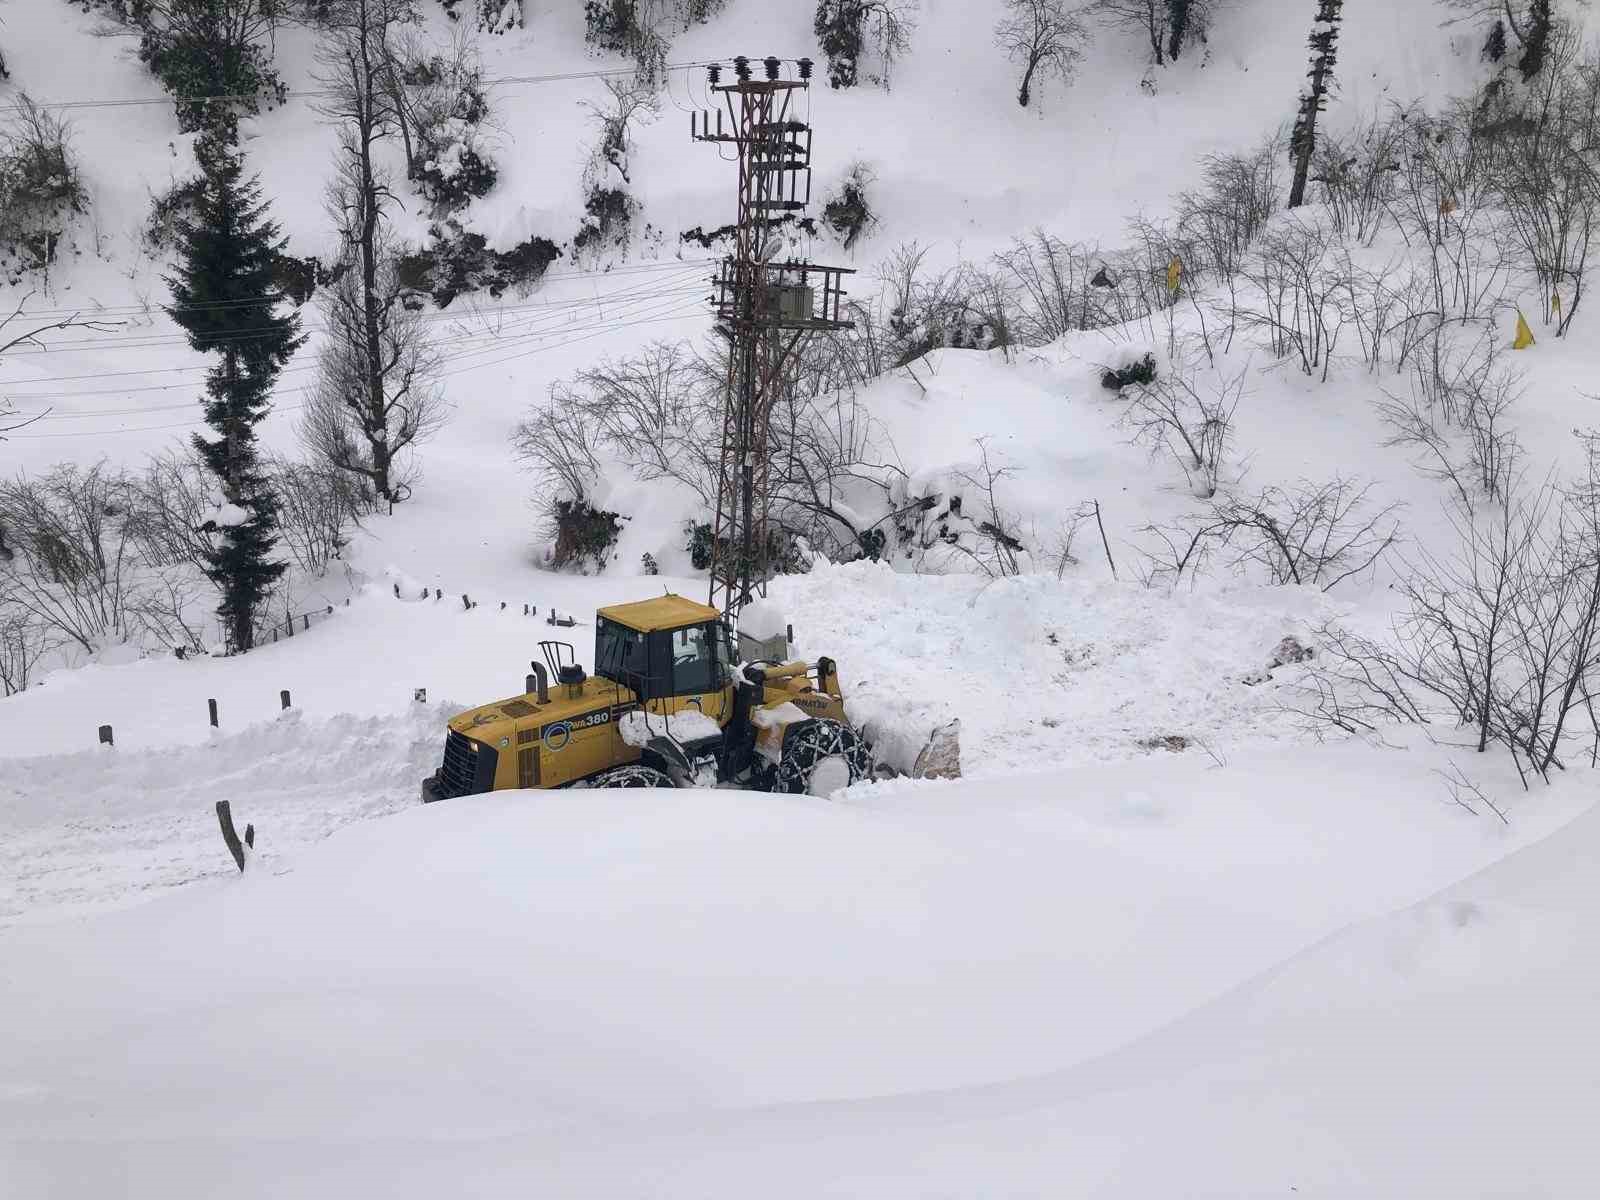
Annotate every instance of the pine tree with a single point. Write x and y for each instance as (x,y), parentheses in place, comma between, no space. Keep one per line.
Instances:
(1324,53)
(224,297)
(1178,16)
(1537,38)
(838,26)
(1494,48)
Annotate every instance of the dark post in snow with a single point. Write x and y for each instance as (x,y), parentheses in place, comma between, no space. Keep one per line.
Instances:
(105,736)
(211,706)
(283,699)
(230,836)
(1324,53)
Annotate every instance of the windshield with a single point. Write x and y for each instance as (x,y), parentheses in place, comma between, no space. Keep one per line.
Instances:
(619,652)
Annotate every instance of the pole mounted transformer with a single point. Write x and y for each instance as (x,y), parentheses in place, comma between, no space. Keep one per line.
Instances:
(766,304)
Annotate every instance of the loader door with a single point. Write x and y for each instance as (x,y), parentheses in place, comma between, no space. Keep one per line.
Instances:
(692,663)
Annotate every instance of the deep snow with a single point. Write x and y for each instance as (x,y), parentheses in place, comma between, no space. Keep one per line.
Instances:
(1095,967)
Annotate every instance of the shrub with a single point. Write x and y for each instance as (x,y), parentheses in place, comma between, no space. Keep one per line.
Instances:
(455,261)
(584,536)
(609,224)
(1139,373)
(168,209)
(848,212)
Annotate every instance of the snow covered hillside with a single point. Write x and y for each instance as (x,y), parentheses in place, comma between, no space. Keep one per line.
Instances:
(1256,551)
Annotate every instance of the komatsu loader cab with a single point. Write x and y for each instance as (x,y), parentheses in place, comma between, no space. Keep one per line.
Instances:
(668,705)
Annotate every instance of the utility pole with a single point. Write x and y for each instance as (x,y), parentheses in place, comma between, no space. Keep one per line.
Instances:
(765,304)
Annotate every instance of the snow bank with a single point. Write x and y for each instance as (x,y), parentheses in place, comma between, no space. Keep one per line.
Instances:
(919,988)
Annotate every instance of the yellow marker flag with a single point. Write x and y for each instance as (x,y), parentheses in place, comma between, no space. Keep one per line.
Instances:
(1524,337)
(1174,274)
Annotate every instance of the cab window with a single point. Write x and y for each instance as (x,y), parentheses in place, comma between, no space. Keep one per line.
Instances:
(689,658)
(619,654)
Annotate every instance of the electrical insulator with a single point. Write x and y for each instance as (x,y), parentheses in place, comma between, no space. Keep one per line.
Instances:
(714,72)
(805,69)
(771,64)
(741,67)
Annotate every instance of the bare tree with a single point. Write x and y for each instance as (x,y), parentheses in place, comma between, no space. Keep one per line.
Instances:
(1547,180)
(1044,36)
(1149,17)
(13,335)
(24,641)
(73,563)
(1318,534)
(626,102)
(1192,422)
(318,507)
(376,393)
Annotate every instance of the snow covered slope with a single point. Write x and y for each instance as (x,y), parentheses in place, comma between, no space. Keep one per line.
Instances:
(1013,987)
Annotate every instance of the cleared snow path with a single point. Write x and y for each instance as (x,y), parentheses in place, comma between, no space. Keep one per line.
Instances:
(109,827)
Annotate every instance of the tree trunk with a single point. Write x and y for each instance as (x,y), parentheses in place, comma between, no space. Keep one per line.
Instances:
(1027,79)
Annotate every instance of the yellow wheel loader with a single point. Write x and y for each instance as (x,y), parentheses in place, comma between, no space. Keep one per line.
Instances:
(668,705)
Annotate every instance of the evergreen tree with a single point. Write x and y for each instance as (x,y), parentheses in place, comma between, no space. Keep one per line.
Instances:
(1324,53)
(1494,49)
(838,27)
(1537,38)
(1179,13)
(224,297)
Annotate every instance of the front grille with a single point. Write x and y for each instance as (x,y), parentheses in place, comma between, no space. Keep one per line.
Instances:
(458,775)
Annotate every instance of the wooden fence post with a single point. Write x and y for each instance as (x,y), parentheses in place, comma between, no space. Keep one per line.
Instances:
(230,836)
(211,706)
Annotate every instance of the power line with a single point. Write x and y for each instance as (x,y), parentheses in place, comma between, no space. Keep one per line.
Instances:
(108,312)
(645,320)
(496,338)
(152,341)
(326,93)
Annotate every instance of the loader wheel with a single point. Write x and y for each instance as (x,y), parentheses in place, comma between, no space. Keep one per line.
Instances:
(820,757)
(634,775)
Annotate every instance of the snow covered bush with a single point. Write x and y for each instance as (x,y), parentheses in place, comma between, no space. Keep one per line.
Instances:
(1135,367)
(583,537)
(40,190)
(847,211)
(608,206)
(455,261)
(847,30)
(493,16)
(444,112)
(608,221)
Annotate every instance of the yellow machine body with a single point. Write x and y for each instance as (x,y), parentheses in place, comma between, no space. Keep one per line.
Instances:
(661,656)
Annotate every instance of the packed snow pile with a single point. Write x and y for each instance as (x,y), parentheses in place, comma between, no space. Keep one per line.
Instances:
(687,725)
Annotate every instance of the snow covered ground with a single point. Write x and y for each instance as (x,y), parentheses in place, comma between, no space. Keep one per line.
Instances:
(1157,941)
(1147,980)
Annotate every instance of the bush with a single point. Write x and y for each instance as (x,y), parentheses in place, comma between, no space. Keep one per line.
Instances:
(168,209)
(784,553)
(455,173)
(456,261)
(584,536)
(847,212)
(609,224)
(211,48)
(1139,373)
(40,189)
